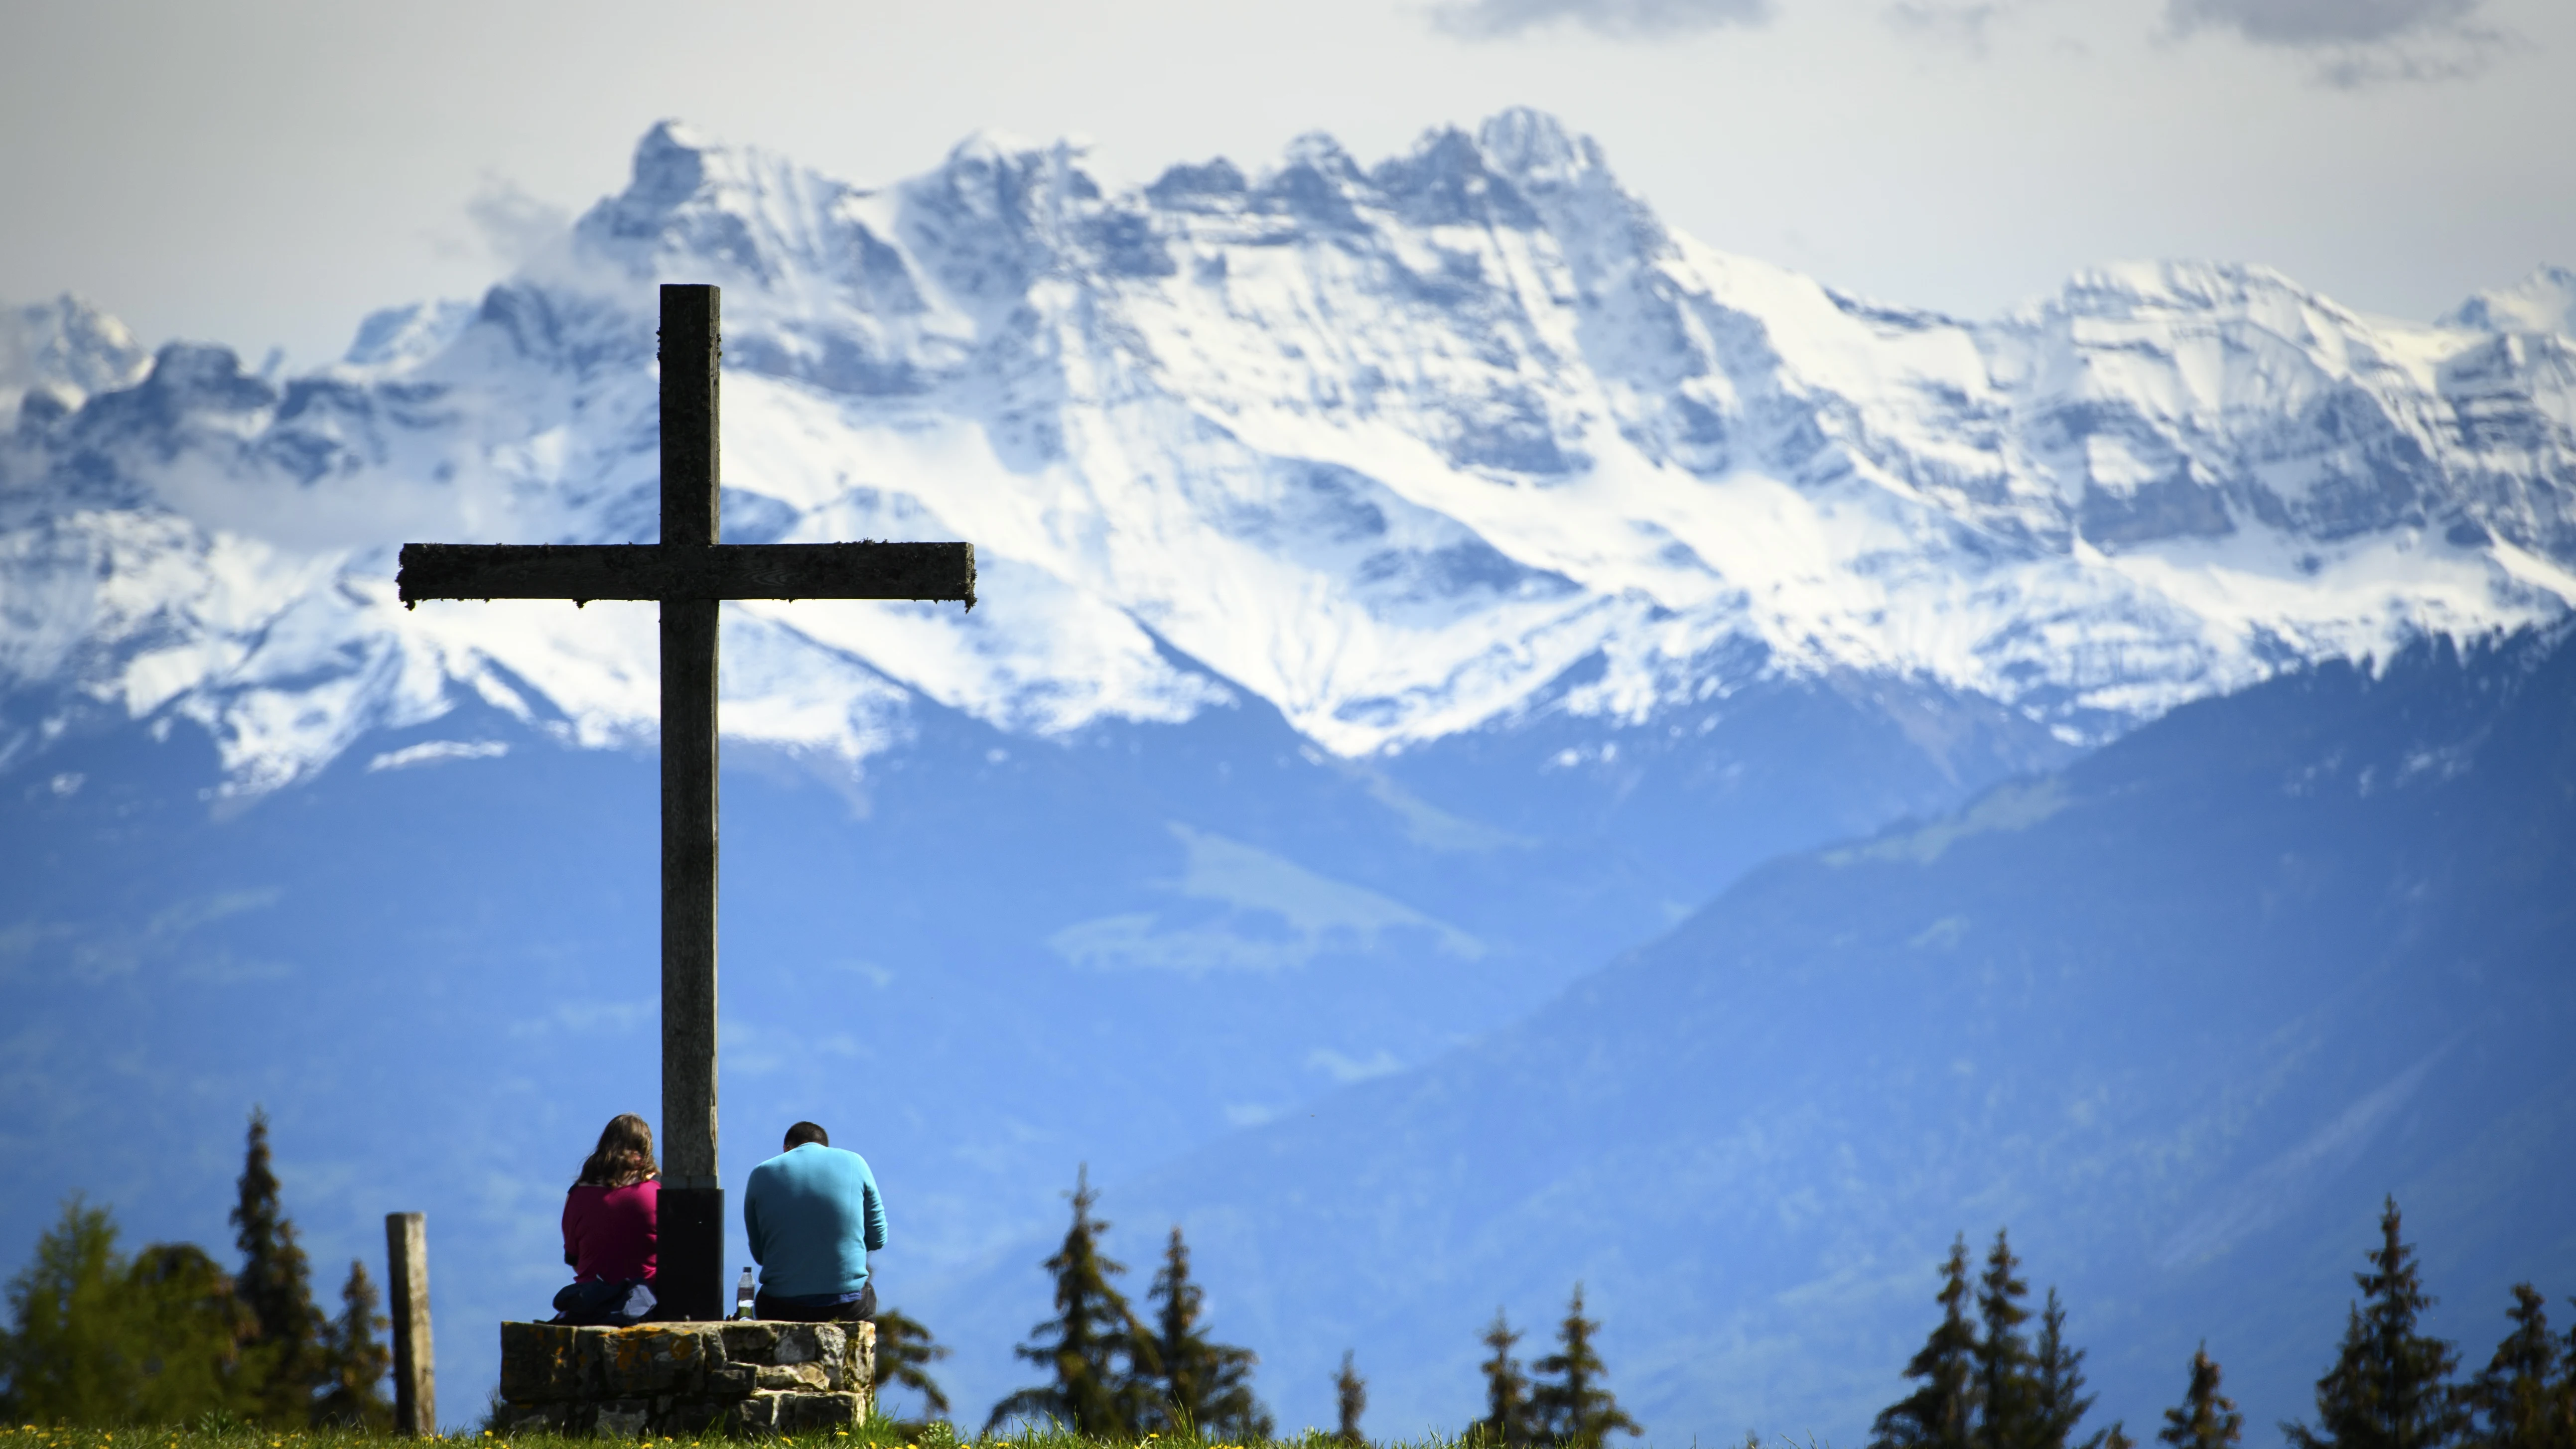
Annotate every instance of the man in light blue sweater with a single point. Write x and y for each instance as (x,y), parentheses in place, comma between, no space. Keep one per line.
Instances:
(813,1216)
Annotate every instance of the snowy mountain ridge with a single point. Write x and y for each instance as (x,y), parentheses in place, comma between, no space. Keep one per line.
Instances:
(1410,450)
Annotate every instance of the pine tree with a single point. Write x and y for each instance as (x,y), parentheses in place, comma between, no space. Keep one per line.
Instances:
(2522,1398)
(1568,1401)
(2206,1418)
(1507,1407)
(1936,1416)
(2391,1386)
(1350,1395)
(1206,1385)
(1099,1355)
(285,1360)
(2006,1416)
(2057,1398)
(356,1360)
(905,1352)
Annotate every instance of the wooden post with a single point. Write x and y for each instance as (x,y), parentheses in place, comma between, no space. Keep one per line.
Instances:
(415,1362)
(690,1276)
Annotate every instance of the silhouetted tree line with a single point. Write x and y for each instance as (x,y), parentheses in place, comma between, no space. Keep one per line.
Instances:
(166,1336)
(1111,1374)
(1986,1382)
(96,1338)
(1568,1403)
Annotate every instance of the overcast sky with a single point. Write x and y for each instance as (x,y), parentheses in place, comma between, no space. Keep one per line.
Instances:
(266,174)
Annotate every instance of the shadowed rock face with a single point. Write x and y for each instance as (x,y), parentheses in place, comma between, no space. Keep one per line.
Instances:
(685,1378)
(1486,340)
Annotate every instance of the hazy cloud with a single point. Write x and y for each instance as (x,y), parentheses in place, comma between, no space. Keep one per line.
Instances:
(2357,42)
(1961,25)
(2320,22)
(1621,19)
(514,224)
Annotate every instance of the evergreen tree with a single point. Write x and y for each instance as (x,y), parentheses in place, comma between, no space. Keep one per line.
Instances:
(285,1361)
(96,1341)
(1936,1416)
(1206,1386)
(356,1360)
(2391,1386)
(1507,1406)
(2206,1418)
(2006,1414)
(905,1352)
(65,1361)
(1568,1401)
(189,1329)
(2523,1399)
(1098,1354)
(2057,1399)
(1350,1395)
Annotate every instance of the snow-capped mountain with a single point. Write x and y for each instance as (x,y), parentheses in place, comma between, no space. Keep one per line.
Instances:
(1404,589)
(1406,451)
(65,350)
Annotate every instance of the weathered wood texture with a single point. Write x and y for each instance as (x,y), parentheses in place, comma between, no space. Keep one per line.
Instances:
(691,1247)
(692,469)
(689,875)
(940,571)
(415,1361)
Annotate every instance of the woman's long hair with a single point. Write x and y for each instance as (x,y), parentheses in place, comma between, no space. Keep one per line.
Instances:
(624,1156)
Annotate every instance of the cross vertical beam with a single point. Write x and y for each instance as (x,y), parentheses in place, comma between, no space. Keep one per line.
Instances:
(690,1276)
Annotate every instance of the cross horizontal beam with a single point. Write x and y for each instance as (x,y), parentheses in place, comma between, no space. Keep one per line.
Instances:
(582,572)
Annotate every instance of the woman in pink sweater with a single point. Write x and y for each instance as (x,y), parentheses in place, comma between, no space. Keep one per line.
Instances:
(608,1228)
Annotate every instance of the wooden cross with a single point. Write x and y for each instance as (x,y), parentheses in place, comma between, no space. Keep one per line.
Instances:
(688,573)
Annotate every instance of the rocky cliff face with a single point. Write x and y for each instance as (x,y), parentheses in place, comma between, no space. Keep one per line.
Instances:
(1407,450)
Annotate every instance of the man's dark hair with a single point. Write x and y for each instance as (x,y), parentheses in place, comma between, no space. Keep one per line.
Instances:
(804,1132)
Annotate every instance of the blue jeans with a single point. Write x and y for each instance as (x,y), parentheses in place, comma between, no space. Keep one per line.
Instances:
(829,1308)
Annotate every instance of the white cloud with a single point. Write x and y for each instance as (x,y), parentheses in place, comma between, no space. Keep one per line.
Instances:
(513,224)
(1353,1069)
(1620,18)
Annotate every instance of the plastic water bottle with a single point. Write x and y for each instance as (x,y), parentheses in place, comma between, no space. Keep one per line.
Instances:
(742,1296)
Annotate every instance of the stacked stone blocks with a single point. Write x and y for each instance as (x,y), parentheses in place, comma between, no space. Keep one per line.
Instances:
(685,1378)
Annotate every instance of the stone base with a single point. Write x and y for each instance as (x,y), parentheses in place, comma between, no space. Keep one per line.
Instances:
(685,1378)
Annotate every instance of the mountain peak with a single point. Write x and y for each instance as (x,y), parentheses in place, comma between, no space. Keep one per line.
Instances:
(670,165)
(2545,301)
(1533,146)
(703,205)
(66,350)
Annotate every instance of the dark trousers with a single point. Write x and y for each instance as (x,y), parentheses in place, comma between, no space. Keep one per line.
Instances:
(775,1309)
